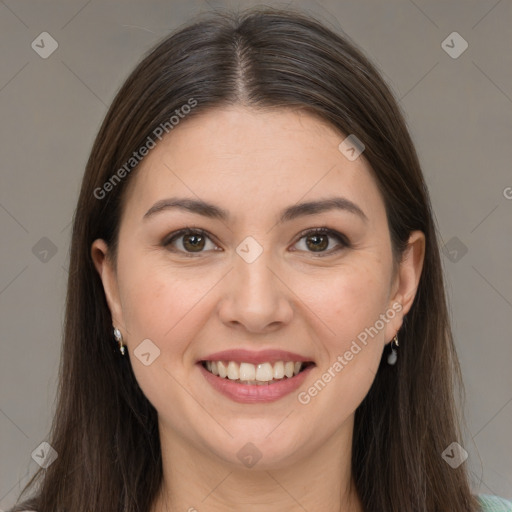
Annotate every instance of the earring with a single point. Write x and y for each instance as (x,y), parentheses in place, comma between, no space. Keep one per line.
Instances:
(393,356)
(119,338)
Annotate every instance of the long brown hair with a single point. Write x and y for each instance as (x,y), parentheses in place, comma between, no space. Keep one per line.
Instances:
(105,430)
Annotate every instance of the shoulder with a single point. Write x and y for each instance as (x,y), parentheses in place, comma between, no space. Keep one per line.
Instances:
(490,503)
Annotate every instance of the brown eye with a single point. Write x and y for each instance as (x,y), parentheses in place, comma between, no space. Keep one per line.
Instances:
(189,241)
(323,241)
(193,242)
(317,242)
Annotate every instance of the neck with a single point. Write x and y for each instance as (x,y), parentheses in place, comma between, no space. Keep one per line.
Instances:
(195,481)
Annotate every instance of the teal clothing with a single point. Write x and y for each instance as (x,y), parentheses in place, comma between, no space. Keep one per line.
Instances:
(494,503)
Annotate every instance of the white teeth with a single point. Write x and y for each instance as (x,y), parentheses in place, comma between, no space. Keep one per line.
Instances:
(247,371)
(264,372)
(221,368)
(278,370)
(233,371)
(254,374)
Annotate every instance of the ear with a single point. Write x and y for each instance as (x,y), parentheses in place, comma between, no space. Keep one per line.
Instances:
(405,283)
(104,266)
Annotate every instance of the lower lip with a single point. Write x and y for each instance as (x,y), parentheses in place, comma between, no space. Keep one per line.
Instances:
(253,393)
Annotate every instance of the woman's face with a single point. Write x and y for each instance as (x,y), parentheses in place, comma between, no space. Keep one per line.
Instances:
(256,288)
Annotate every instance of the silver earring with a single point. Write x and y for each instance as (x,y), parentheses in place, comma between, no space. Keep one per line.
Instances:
(392,358)
(119,338)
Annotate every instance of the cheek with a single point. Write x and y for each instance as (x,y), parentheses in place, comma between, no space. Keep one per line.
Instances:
(350,304)
(162,305)
(348,301)
(166,308)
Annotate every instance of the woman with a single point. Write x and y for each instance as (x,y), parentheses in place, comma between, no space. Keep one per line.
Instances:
(256,317)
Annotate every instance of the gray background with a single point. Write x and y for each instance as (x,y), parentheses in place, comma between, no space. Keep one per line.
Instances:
(459,113)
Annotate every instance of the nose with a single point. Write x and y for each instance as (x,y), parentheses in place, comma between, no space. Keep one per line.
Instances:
(256,297)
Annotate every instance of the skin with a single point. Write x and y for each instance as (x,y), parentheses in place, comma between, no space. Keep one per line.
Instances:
(254,164)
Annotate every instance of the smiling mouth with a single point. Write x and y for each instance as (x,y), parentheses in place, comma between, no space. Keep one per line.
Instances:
(262,374)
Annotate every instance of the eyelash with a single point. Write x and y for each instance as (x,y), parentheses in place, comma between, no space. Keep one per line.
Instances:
(341,239)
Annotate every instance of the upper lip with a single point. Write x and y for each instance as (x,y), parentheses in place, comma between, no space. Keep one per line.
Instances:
(250,356)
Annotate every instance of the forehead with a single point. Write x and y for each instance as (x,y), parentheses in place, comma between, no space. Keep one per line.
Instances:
(251,159)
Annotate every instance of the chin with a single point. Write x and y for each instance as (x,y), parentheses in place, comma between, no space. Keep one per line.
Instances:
(255,448)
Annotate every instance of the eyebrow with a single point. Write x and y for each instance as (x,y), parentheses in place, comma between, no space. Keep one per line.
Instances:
(212,211)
